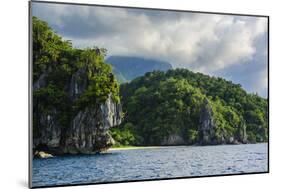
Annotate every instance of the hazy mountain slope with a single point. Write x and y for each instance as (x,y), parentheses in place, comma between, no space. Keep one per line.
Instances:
(128,68)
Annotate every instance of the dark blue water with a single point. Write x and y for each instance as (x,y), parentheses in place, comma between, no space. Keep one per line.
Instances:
(123,165)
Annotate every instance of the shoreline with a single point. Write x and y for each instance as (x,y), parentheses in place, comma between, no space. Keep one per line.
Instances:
(161,147)
(44,155)
(139,147)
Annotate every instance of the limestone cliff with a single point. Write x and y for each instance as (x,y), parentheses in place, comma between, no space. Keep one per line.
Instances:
(88,128)
(210,134)
(206,124)
(88,132)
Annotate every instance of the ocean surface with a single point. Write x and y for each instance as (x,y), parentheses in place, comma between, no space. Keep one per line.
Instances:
(153,163)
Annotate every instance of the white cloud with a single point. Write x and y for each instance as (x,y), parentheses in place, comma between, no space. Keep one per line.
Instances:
(200,42)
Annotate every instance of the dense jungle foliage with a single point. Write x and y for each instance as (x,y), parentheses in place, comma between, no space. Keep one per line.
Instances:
(163,103)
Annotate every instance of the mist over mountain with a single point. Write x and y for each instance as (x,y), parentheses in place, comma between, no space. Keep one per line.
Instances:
(127,68)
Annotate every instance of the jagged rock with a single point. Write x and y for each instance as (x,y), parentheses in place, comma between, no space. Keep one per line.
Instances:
(173,140)
(78,83)
(42,80)
(49,131)
(207,129)
(242,134)
(88,129)
(206,124)
(231,140)
(42,154)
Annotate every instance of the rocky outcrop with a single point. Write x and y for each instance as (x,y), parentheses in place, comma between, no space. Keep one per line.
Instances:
(173,139)
(242,133)
(78,83)
(49,132)
(206,129)
(209,133)
(42,155)
(87,132)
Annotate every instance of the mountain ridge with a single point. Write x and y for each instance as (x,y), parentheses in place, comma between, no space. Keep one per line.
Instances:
(127,68)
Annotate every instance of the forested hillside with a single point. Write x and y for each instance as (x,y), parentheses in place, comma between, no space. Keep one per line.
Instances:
(183,107)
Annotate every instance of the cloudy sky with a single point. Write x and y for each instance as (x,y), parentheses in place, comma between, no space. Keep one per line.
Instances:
(232,47)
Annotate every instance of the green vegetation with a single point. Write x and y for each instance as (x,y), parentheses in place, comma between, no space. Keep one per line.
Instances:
(123,137)
(55,63)
(156,106)
(161,104)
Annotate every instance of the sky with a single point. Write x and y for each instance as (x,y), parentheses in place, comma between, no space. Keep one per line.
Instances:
(232,47)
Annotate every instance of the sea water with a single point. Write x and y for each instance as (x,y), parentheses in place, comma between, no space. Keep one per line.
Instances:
(151,163)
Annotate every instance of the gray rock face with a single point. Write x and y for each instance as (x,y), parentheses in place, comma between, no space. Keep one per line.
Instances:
(206,125)
(42,80)
(49,131)
(207,129)
(173,140)
(78,83)
(242,134)
(88,130)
